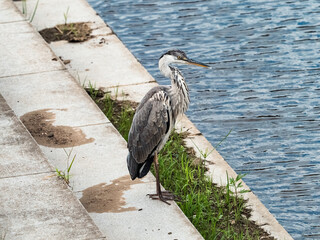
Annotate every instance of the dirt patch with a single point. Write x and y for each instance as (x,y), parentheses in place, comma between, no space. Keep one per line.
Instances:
(72,32)
(40,124)
(108,198)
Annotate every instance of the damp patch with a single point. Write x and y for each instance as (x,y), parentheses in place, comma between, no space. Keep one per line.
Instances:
(40,125)
(102,198)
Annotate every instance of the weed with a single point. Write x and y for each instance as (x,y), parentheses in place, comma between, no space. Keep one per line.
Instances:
(234,188)
(65,16)
(204,154)
(91,90)
(82,83)
(65,175)
(213,210)
(24,7)
(25,10)
(120,113)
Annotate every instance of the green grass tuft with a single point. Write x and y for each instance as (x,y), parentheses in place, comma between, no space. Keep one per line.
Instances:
(217,212)
(25,10)
(120,113)
(65,174)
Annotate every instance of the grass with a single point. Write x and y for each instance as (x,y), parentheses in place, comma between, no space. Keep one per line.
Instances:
(25,10)
(120,113)
(206,153)
(65,175)
(65,16)
(217,212)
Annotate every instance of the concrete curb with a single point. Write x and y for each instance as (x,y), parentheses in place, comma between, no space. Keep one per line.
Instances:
(132,79)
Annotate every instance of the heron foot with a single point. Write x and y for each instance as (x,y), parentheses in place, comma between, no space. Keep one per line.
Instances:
(164,196)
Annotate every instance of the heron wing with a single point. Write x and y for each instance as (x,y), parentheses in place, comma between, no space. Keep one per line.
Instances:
(150,124)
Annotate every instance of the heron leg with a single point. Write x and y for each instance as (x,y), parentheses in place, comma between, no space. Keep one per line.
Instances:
(163,196)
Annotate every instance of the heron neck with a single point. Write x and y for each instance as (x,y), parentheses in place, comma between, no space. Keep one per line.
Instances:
(164,67)
(179,92)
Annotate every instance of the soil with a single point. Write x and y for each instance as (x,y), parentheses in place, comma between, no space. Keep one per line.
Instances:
(40,124)
(72,32)
(108,198)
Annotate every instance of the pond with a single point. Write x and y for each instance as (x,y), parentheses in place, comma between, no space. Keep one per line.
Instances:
(264,85)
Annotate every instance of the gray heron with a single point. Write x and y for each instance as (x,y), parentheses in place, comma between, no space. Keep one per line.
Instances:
(155,118)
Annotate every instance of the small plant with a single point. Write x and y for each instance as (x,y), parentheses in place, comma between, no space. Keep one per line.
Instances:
(236,184)
(65,175)
(120,113)
(92,91)
(222,140)
(234,188)
(25,10)
(65,16)
(24,7)
(82,83)
(206,153)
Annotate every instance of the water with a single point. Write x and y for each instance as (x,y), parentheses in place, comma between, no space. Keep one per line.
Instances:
(264,85)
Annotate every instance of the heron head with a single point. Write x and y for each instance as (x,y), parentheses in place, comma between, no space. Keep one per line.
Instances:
(178,56)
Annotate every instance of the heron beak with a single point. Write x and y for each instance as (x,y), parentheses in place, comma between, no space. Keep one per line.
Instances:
(193,62)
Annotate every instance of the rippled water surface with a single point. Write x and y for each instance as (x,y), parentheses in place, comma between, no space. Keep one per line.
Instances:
(264,85)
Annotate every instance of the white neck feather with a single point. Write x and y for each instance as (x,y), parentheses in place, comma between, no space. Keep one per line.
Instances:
(164,65)
(179,91)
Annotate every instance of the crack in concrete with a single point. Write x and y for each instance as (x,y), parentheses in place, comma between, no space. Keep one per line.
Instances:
(30,174)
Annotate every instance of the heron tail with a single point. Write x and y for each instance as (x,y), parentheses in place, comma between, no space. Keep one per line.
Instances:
(138,169)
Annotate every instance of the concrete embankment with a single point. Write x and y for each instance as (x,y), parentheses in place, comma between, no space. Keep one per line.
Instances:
(37,85)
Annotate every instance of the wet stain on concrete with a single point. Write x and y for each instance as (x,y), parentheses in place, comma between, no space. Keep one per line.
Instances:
(108,198)
(40,124)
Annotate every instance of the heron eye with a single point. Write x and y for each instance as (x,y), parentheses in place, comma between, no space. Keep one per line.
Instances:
(179,58)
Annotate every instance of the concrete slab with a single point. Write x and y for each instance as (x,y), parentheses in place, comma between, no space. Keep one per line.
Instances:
(19,153)
(9,13)
(42,207)
(34,203)
(18,46)
(142,218)
(79,11)
(55,92)
(100,161)
(16,27)
(91,60)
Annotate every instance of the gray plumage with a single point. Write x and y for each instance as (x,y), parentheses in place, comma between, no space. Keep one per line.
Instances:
(156,115)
